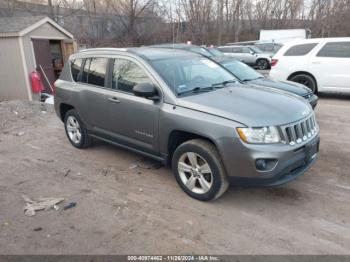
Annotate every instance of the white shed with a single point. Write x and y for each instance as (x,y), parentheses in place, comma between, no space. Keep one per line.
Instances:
(28,44)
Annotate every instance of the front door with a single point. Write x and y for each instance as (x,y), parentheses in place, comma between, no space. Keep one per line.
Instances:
(249,56)
(132,119)
(237,53)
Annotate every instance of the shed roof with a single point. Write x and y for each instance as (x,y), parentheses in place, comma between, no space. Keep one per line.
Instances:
(19,26)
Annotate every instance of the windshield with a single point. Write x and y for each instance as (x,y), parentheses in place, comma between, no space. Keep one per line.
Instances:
(241,70)
(256,50)
(186,73)
(215,51)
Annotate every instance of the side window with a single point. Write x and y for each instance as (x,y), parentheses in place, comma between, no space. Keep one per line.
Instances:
(75,69)
(300,50)
(246,50)
(127,74)
(237,50)
(94,72)
(225,49)
(337,49)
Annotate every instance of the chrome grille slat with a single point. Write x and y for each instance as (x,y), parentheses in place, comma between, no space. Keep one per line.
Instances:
(303,130)
(304,127)
(293,135)
(300,132)
(308,125)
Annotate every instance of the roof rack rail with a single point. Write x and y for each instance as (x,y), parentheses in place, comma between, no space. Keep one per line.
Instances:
(102,49)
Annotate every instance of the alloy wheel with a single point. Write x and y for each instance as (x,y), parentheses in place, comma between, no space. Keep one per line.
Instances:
(262,64)
(195,173)
(73,129)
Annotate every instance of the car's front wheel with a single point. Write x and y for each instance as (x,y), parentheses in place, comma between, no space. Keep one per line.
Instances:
(75,130)
(199,171)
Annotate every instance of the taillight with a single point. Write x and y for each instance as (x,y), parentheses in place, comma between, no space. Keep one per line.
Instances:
(274,62)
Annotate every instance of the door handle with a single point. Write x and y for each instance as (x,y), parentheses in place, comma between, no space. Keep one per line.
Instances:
(316,62)
(114,100)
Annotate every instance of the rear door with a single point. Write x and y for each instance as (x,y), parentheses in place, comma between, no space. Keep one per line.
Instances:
(91,100)
(331,66)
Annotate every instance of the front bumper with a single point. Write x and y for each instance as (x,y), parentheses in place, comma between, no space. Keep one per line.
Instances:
(290,163)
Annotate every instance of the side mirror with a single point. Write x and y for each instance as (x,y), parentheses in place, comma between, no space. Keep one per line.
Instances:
(252,52)
(146,90)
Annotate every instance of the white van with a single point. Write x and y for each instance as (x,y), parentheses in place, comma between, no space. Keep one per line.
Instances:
(322,64)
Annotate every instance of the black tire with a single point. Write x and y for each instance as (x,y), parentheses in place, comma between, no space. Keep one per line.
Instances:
(306,80)
(85,140)
(262,64)
(209,153)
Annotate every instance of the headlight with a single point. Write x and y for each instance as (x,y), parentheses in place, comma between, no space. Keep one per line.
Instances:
(260,135)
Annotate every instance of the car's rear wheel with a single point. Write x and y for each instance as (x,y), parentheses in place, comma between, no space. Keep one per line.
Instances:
(305,80)
(199,171)
(262,64)
(75,130)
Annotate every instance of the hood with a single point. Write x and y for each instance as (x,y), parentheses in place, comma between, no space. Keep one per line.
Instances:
(250,105)
(289,86)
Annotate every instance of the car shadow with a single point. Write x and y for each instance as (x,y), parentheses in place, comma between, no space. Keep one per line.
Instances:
(341,96)
(283,194)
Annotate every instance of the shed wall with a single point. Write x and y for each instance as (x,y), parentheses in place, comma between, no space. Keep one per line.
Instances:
(12,77)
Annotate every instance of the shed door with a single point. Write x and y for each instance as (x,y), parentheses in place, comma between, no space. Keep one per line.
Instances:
(44,60)
(68,49)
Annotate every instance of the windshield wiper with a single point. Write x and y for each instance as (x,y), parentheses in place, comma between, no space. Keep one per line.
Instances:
(223,84)
(196,90)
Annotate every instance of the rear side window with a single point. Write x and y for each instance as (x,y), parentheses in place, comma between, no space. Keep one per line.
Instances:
(94,72)
(300,50)
(246,50)
(225,49)
(127,74)
(75,68)
(237,50)
(338,49)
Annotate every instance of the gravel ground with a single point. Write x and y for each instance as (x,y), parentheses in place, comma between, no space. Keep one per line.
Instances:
(127,204)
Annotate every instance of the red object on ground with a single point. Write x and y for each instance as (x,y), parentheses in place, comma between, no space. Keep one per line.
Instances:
(37,84)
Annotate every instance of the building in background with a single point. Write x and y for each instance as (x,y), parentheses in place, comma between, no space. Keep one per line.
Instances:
(28,44)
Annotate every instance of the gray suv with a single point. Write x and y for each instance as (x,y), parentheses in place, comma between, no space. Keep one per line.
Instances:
(187,111)
(250,55)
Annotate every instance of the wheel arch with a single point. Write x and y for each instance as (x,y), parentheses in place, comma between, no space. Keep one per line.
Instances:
(178,137)
(64,108)
(303,73)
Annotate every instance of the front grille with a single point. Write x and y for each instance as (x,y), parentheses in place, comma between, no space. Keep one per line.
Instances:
(298,132)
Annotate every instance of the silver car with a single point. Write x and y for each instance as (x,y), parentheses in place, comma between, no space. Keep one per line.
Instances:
(187,111)
(251,55)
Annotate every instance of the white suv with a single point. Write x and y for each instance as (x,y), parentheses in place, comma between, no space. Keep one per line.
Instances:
(322,64)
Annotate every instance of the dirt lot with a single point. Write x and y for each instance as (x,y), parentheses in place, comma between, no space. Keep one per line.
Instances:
(127,204)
